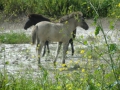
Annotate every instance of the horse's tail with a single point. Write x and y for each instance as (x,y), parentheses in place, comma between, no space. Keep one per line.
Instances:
(34,34)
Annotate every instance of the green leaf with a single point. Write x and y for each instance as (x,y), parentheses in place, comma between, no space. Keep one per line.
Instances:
(85,42)
(113,47)
(7,62)
(97,30)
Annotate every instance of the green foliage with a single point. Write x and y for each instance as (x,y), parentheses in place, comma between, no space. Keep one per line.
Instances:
(14,38)
(115,10)
(57,8)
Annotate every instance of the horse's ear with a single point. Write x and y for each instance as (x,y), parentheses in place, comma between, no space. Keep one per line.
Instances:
(80,13)
(29,16)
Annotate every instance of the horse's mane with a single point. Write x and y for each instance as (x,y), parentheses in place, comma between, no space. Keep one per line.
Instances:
(66,17)
(38,16)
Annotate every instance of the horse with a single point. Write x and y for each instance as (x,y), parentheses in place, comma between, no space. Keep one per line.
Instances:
(57,32)
(33,19)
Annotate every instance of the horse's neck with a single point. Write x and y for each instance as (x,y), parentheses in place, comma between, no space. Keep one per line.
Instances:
(70,25)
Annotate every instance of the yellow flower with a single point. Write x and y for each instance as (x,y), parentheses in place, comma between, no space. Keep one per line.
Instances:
(66,22)
(82,51)
(69,86)
(90,57)
(88,8)
(63,65)
(98,84)
(71,61)
(67,52)
(61,69)
(33,56)
(76,62)
(83,70)
(81,79)
(119,5)
(59,87)
(69,75)
(119,78)
(31,43)
(113,13)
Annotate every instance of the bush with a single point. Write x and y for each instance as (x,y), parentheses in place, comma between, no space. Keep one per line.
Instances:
(56,8)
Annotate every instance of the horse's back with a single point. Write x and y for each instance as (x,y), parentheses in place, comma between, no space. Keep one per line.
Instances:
(50,31)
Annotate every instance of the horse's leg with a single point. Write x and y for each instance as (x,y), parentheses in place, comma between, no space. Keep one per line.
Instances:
(44,49)
(39,51)
(71,41)
(72,46)
(47,43)
(37,45)
(57,52)
(65,48)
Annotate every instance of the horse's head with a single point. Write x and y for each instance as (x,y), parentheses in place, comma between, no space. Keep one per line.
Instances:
(34,19)
(81,21)
(28,24)
(75,18)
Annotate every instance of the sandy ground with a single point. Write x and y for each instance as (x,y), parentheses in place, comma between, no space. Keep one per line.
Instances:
(23,56)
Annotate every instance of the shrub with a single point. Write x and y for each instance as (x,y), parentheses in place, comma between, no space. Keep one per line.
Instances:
(56,8)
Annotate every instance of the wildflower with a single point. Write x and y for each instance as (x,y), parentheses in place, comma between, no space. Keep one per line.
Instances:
(98,84)
(81,79)
(59,87)
(33,56)
(71,61)
(69,75)
(88,8)
(82,51)
(83,70)
(66,22)
(69,86)
(61,69)
(119,5)
(31,43)
(67,52)
(113,13)
(63,65)
(90,57)
(76,62)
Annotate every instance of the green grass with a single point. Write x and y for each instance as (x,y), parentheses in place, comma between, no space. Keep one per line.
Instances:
(14,38)
(97,78)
